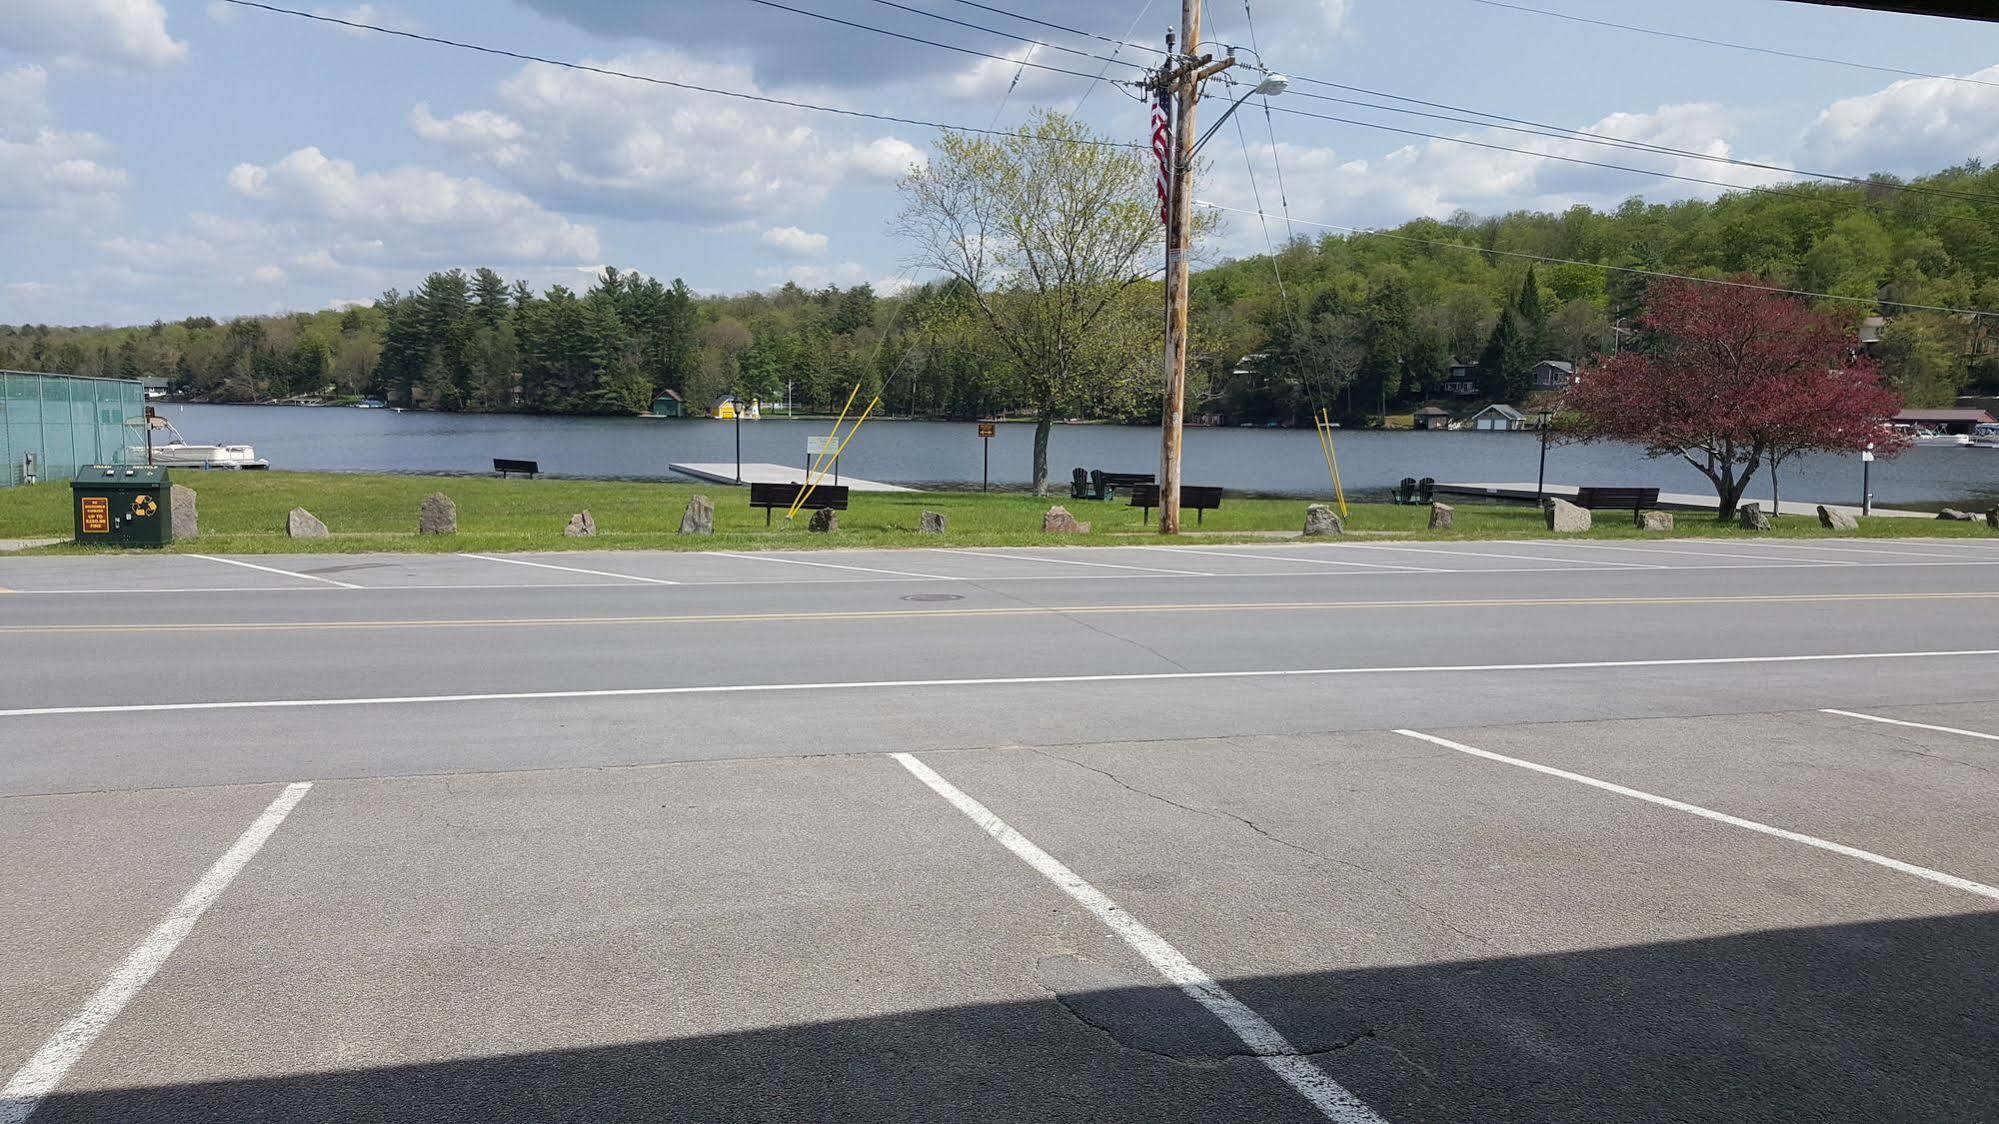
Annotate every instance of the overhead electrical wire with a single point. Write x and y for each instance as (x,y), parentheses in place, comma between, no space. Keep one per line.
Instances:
(1101,74)
(1062,27)
(1685,38)
(1371,233)
(790,103)
(1005,34)
(809,14)
(1269,128)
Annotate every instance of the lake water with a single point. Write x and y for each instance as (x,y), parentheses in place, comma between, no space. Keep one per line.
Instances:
(1286,462)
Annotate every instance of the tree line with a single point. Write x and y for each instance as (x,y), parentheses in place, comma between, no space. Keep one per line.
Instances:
(1362,324)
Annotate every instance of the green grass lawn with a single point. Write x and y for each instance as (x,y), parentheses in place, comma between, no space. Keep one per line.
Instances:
(244,513)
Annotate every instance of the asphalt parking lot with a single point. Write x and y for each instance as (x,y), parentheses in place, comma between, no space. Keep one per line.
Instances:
(1501,831)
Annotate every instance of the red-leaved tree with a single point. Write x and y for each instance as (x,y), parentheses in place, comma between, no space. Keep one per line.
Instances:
(1734,379)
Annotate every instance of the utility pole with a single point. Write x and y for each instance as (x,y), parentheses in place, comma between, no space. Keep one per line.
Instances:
(1182,78)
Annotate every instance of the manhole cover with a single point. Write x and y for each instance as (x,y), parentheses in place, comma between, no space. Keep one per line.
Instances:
(933,597)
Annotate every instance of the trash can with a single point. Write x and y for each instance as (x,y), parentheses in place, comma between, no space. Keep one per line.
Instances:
(123,505)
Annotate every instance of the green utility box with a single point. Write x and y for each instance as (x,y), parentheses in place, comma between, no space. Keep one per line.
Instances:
(123,505)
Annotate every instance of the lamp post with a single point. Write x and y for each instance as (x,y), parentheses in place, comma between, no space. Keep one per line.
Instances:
(1541,480)
(738,412)
(1866,479)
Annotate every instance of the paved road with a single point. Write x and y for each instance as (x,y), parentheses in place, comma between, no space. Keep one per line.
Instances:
(1520,831)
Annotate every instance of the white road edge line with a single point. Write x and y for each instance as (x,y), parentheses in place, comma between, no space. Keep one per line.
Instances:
(569,569)
(38,1078)
(1269,1045)
(1448,550)
(1923,872)
(1294,558)
(273,570)
(1713,554)
(1911,725)
(1017,681)
(827,566)
(1076,562)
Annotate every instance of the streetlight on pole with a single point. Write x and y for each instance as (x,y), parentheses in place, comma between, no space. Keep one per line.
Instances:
(1181,79)
(1541,480)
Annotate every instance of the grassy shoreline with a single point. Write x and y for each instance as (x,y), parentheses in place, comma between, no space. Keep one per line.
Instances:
(244,513)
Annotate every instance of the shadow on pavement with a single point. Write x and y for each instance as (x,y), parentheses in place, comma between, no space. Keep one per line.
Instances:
(1881,1021)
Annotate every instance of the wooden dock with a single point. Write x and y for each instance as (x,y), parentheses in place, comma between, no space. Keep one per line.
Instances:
(1681,501)
(764,473)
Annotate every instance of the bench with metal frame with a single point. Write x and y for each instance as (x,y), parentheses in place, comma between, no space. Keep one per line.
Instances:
(1617,499)
(769,496)
(1197,498)
(504,466)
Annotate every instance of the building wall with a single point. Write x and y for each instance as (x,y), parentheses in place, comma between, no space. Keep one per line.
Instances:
(66,422)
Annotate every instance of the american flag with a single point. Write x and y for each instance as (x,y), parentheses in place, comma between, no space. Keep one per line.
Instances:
(1162,147)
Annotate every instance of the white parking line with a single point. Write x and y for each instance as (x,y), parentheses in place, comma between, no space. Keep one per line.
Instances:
(43,1072)
(1671,552)
(1883,553)
(1912,725)
(272,570)
(1451,550)
(830,566)
(1075,562)
(1014,681)
(1301,558)
(1923,872)
(1269,1045)
(567,569)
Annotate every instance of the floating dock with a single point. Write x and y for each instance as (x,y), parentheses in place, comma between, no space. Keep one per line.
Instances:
(763,473)
(1683,501)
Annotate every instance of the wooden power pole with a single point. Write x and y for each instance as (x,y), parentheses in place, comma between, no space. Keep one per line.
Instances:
(1181,77)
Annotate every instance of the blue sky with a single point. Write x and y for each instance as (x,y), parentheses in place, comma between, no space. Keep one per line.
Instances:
(162,158)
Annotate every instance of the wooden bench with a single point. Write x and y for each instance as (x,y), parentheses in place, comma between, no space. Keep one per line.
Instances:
(1199,498)
(503,466)
(1113,482)
(1617,499)
(768,496)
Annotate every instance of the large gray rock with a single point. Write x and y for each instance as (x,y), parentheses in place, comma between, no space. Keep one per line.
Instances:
(932,523)
(1953,513)
(824,521)
(186,521)
(1833,519)
(699,518)
(303,524)
(1058,521)
(1753,517)
(1564,517)
(1322,520)
(1441,515)
(1655,521)
(581,525)
(437,516)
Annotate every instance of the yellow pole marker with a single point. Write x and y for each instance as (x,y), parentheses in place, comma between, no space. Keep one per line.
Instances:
(1319,427)
(854,429)
(1333,455)
(817,467)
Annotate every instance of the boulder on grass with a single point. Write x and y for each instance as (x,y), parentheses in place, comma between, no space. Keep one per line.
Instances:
(1565,518)
(437,516)
(1655,521)
(1440,516)
(1322,520)
(581,525)
(699,518)
(1753,517)
(186,521)
(824,522)
(931,523)
(303,524)
(1058,521)
(1953,513)
(1833,519)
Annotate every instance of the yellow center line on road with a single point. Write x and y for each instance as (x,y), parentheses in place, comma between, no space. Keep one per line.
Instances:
(1002,611)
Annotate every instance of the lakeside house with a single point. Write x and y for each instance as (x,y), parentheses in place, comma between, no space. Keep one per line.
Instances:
(668,404)
(1553,374)
(1497,416)
(1462,381)
(1432,417)
(1944,421)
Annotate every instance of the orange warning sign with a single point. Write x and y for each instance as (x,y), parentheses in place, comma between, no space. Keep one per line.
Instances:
(96,514)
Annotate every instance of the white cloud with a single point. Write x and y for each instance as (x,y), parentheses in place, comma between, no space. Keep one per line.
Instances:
(992,78)
(1915,125)
(74,32)
(1333,13)
(589,142)
(411,215)
(41,168)
(846,274)
(268,275)
(792,242)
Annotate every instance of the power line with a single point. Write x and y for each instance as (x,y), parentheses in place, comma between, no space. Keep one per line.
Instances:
(1002,34)
(918,39)
(1061,27)
(1685,38)
(1585,136)
(1365,232)
(1142,9)
(608,72)
(1269,128)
